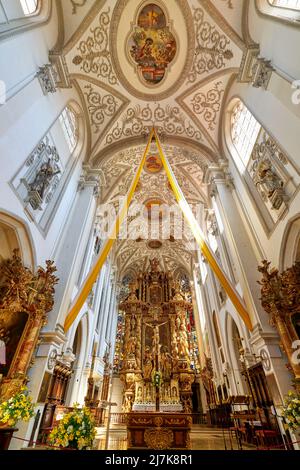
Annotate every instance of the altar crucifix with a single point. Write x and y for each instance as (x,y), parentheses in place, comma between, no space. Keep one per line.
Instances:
(156,346)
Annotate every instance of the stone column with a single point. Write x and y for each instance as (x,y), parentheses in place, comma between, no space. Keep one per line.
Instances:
(243,255)
(197,308)
(104,312)
(72,246)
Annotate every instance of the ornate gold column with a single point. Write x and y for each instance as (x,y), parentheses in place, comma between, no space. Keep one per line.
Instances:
(23,292)
(280,297)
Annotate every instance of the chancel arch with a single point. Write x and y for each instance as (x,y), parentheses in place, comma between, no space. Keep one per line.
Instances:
(15,236)
(290,248)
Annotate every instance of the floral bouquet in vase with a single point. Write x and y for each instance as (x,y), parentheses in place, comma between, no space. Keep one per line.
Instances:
(17,408)
(76,430)
(157,379)
(291,410)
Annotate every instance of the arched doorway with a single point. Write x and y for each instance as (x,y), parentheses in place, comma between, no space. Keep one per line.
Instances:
(235,347)
(15,253)
(73,388)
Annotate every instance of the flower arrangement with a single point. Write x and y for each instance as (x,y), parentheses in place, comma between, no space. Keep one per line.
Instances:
(291,410)
(76,430)
(19,407)
(157,378)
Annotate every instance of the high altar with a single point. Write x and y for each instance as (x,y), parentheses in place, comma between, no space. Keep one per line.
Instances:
(157,369)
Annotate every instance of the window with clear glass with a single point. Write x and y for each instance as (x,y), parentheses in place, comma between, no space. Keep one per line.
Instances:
(292,4)
(29,6)
(259,157)
(67,120)
(244,131)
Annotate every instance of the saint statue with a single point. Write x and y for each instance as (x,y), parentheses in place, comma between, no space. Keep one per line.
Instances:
(166,365)
(148,364)
(131,345)
(139,395)
(268,177)
(127,404)
(182,341)
(43,178)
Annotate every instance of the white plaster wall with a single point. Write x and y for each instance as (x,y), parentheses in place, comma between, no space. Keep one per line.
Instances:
(279,41)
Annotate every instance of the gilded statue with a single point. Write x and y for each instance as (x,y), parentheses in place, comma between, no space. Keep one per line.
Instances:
(154,263)
(127,407)
(155,338)
(131,345)
(182,341)
(268,177)
(148,364)
(166,365)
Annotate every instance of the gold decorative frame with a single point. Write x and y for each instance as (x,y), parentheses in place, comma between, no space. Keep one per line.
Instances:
(22,290)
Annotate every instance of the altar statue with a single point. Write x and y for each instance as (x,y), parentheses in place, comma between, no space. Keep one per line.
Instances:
(155,338)
(131,345)
(166,365)
(148,364)
(183,344)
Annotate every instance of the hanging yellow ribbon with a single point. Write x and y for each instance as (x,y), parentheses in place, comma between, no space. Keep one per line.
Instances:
(199,236)
(196,230)
(94,273)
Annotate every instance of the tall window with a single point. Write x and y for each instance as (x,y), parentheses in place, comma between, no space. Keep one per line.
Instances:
(40,182)
(260,158)
(29,6)
(292,4)
(244,131)
(68,121)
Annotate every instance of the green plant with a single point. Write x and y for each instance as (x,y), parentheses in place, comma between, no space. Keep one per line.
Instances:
(291,410)
(157,378)
(75,430)
(19,407)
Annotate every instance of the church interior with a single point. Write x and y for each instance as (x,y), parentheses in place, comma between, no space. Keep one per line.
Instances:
(149,225)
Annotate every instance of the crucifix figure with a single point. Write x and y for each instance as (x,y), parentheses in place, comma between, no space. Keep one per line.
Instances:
(155,338)
(156,349)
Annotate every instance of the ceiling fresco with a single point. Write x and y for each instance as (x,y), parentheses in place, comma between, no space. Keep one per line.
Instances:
(167,63)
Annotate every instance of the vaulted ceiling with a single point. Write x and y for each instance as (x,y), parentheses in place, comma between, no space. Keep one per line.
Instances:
(109,51)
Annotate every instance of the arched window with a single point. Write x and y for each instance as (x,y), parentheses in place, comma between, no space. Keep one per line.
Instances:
(266,168)
(286,10)
(244,131)
(29,6)
(11,10)
(68,123)
(17,16)
(218,336)
(292,4)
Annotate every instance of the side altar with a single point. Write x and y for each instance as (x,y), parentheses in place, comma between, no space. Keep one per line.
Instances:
(157,370)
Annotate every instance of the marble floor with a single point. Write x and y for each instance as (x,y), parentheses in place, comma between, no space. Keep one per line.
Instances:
(202,438)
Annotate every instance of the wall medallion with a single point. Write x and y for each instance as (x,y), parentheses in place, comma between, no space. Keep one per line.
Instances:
(153,164)
(151,46)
